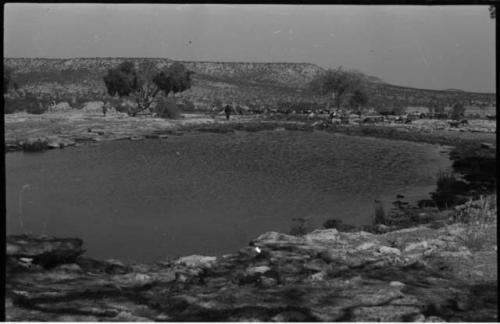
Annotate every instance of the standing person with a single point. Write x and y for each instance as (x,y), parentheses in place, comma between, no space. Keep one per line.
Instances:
(228,110)
(104,108)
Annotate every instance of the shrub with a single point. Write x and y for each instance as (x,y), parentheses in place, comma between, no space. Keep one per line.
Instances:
(449,191)
(339,225)
(479,170)
(29,104)
(380,217)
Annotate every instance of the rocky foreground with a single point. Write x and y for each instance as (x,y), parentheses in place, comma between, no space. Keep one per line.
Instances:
(418,274)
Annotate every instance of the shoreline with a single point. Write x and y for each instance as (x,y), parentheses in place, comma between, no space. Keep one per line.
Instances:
(411,272)
(40,132)
(354,209)
(417,274)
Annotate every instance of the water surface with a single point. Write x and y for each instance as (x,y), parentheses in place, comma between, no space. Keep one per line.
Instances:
(207,193)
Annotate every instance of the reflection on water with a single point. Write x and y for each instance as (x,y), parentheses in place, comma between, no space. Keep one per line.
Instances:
(207,193)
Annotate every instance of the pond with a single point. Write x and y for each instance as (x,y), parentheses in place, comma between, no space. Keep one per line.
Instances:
(210,194)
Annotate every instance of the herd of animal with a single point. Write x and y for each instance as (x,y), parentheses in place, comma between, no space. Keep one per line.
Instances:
(337,117)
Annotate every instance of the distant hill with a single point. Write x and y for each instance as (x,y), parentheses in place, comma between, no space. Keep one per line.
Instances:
(253,84)
(374,79)
(454,90)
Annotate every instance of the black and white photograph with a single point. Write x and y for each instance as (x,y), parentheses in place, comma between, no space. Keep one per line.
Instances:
(220,162)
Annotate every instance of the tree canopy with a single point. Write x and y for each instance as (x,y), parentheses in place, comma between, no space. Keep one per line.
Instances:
(145,81)
(358,99)
(122,80)
(457,110)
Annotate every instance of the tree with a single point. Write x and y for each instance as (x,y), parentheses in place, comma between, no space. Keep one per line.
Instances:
(122,80)
(145,82)
(358,100)
(340,84)
(457,111)
(180,77)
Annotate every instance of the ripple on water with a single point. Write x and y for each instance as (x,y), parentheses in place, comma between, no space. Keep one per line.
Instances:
(208,193)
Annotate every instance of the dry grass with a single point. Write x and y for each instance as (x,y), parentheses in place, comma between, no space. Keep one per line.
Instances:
(479,217)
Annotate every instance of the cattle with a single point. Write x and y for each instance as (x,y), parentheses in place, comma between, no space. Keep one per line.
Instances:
(311,115)
(373,119)
(464,122)
(336,121)
(491,117)
(454,123)
(398,119)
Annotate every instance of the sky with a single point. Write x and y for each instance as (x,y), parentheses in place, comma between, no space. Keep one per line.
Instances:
(431,47)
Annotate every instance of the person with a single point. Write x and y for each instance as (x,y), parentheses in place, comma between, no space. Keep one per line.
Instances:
(228,110)
(104,109)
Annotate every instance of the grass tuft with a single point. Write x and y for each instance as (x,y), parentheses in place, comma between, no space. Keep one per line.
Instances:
(478,216)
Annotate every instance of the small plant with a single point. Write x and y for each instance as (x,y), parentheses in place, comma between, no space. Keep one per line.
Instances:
(338,225)
(332,223)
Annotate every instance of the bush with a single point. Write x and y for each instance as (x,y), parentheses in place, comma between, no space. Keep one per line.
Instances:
(479,170)
(29,104)
(167,109)
(380,216)
(338,225)
(449,191)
